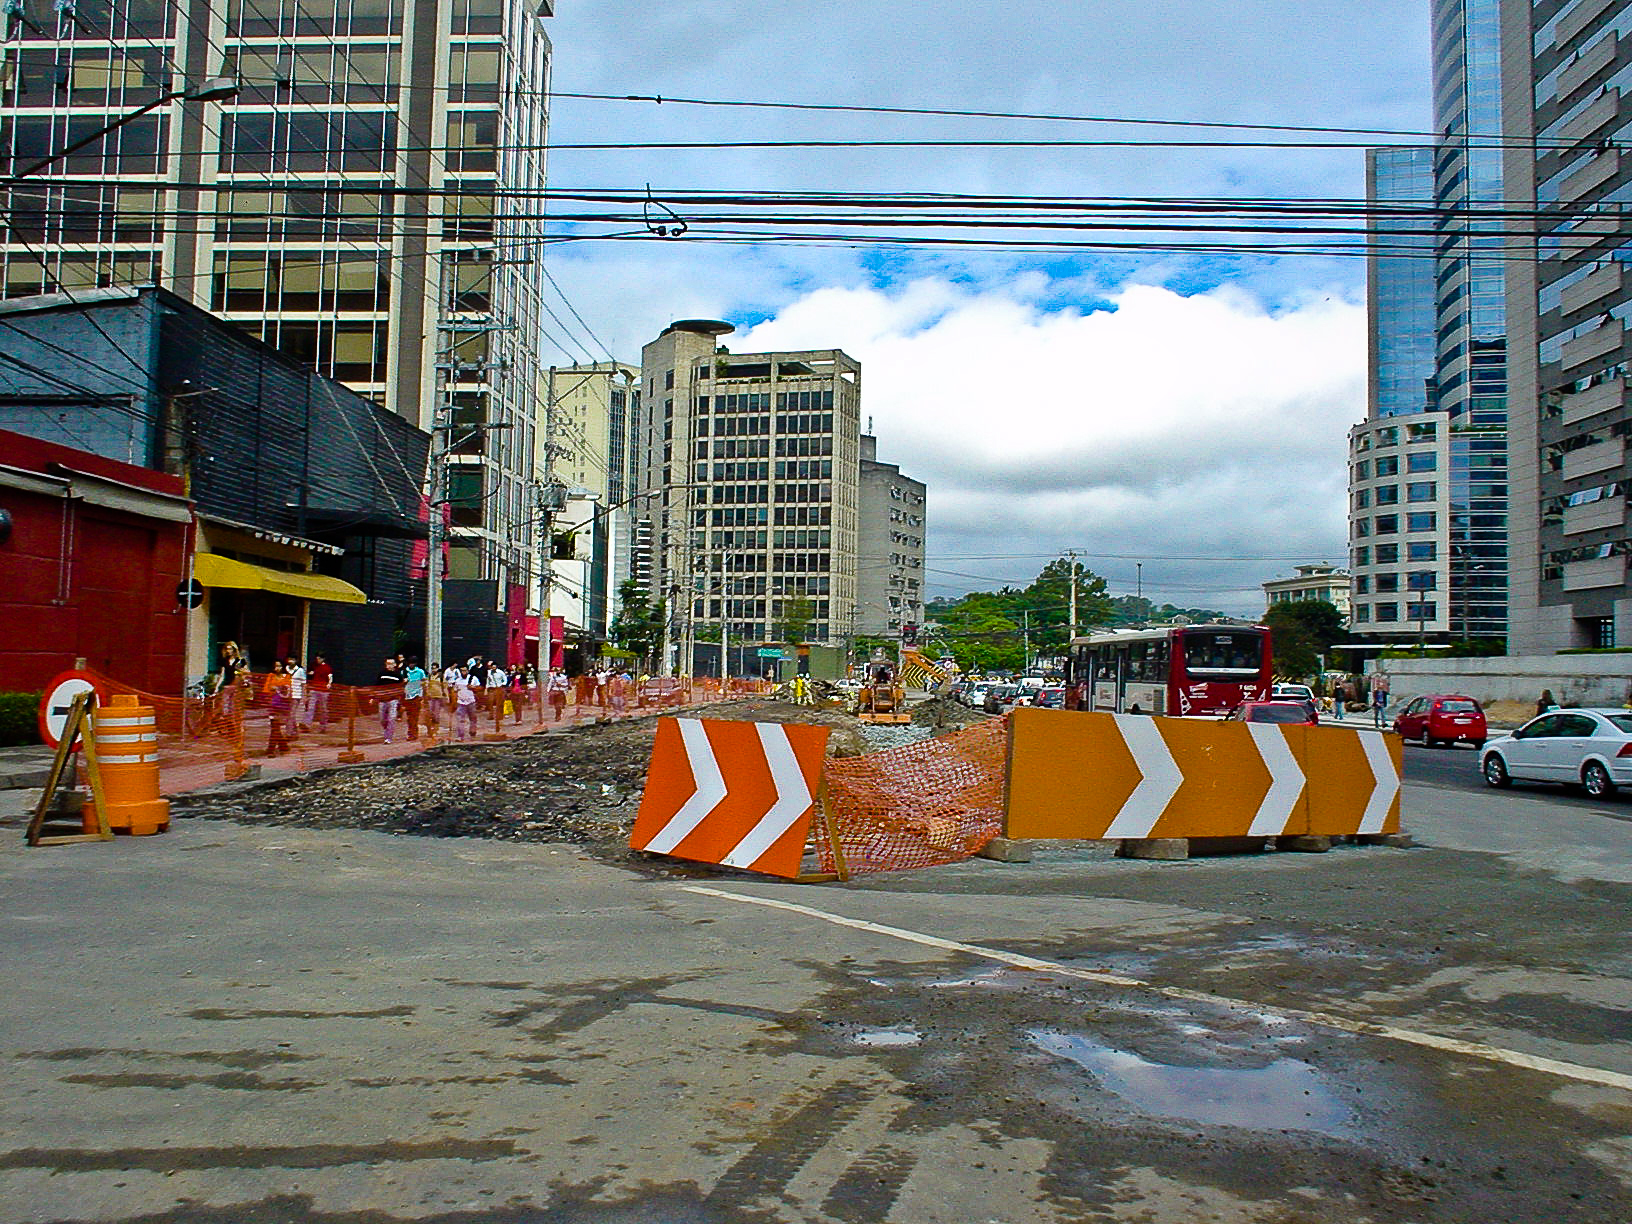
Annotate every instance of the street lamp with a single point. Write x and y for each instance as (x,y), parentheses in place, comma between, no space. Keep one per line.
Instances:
(216,89)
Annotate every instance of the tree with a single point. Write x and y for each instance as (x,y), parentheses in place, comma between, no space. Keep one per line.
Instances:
(638,626)
(793,627)
(987,630)
(1302,630)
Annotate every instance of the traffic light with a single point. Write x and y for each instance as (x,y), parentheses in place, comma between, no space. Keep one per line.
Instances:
(909,634)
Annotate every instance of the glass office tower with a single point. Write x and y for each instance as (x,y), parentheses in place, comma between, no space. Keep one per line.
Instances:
(1471,329)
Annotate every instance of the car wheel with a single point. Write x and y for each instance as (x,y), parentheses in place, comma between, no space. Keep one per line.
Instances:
(1596,780)
(1495,771)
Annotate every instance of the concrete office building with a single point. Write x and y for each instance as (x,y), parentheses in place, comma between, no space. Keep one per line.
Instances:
(1435,270)
(890,557)
(584,454)
(1567,66)
(359,204)
(747,473)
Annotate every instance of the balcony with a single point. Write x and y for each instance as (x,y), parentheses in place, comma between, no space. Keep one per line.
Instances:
(1600,457)
(1592,401)
(1592,345)
(1594,574)
(1590,289)
(1608,512)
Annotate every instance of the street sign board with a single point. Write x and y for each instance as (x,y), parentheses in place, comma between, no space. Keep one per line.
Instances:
(770,652)
(190,594)
(59,697)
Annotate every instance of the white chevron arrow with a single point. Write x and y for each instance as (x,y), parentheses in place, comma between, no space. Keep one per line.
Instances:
(1160,777)
(1388,782)
(710,788)
(793,797)
(1286,781)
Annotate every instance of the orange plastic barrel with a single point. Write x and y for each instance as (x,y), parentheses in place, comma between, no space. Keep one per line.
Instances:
(127,749)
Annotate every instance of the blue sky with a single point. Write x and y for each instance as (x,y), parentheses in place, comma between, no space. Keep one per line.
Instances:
(1189,410)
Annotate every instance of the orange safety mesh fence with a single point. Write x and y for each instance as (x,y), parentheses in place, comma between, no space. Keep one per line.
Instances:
(936,801)
(213,738)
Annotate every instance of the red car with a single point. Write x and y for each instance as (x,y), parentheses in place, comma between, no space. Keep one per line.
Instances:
(1442,718)
(1292,713)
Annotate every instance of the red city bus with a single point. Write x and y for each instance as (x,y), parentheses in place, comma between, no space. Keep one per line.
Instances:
(1181,670)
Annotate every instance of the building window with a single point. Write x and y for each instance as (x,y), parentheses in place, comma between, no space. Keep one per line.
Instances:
(1362,614)
(1422,461)
(1387,584)
(1388,495)
(1421,491)
(1388,612)
(1388,554)
(1423,433)
(1362,555)
(1421,550)
(1422,520)
(1602,631)
(1421,611)
(1388,466)
(1362,528)
(1362,499)
(1362,470)
(1362,585)
(1388,524)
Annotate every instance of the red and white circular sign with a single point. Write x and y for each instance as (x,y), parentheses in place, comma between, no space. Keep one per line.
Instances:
(59,696)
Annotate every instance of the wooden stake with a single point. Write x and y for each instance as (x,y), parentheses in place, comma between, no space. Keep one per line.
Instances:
(79,726)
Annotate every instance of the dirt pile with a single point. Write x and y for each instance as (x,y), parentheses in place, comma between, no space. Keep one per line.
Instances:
(581,786)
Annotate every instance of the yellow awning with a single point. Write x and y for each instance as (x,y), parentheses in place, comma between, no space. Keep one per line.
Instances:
(214,571)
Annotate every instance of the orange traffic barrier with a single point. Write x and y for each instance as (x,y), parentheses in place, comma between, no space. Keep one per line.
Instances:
(1075,774)
(737,794)
(127,746)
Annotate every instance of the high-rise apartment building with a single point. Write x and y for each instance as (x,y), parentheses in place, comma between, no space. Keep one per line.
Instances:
(746,473)
(1567,65)
(890,557)
(1428,497)
(361,203)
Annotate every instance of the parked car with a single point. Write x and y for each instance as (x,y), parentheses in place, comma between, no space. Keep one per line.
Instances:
(975,696)
(1288,712)
(1442,718)
(1291,692)
(1587,748)
(1000,698)
(1050,698)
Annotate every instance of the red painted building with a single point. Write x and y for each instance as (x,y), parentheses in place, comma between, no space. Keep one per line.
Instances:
(91,553)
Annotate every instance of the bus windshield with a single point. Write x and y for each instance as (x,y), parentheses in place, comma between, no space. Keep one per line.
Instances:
(1226,653)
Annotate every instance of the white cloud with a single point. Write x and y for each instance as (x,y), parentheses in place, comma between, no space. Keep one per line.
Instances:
(1175,428)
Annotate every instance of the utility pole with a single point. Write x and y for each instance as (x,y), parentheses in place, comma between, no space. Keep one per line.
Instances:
(1139,579)
(1025,640)
(1071,556)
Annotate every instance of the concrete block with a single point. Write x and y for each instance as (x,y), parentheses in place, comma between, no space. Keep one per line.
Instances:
(1005,850)
(1304,843)
(1167,849)
(1399,841)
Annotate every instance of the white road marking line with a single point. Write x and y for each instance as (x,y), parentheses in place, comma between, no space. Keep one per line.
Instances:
(1286,781)
(1159,777)
(793,797)
(1363,1028)
(705,770)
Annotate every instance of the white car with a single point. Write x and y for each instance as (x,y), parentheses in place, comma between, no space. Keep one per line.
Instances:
(1293,692)
(1587,748)
(975,696)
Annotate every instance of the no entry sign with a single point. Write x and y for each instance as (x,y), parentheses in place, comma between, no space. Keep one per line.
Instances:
(59,696)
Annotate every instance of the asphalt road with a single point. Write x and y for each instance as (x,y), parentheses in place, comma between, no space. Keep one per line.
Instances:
(312,1026)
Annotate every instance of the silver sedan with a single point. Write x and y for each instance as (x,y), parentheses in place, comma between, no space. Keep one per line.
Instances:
(1587,748)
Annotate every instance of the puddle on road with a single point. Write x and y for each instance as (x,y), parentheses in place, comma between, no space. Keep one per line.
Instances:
(1283,1095)
(887,1038)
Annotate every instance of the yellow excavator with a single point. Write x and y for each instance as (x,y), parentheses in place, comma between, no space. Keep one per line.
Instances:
(882,701)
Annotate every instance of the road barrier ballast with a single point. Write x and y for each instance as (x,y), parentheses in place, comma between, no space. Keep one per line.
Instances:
(1075,774)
